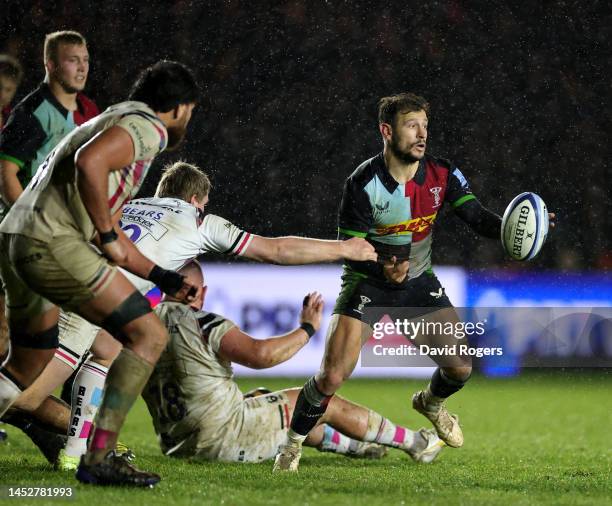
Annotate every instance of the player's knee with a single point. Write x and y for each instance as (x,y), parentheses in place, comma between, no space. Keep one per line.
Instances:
(330,381)
(460,373)
(121,321)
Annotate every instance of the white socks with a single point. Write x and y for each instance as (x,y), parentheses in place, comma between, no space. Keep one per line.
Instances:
(383,431)
(86,397)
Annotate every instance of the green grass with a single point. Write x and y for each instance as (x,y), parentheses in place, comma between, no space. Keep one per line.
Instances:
(539,439)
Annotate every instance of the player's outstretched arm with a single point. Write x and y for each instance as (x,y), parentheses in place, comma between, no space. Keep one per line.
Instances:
(302,250)
(480,219)
(238,347)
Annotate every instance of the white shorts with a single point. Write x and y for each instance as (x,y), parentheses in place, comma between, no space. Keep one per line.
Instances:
(76,336)
(266,421)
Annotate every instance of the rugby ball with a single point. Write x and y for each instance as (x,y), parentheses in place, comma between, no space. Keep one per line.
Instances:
(524,226)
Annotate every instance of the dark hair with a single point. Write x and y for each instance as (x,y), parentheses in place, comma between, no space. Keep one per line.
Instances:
(388,107)
(165,85)
(10,67)
(53,40)
(182,180)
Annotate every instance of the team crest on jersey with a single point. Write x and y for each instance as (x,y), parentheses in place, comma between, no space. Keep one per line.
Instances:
(421,224)
(380,209)
(436,190)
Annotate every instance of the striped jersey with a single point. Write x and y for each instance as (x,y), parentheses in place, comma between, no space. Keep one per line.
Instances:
(51,204)
(166,231)
(397,219)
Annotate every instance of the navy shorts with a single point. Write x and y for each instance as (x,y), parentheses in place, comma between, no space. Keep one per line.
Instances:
(361,298)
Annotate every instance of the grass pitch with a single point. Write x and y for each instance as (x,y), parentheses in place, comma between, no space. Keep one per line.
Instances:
(542,438)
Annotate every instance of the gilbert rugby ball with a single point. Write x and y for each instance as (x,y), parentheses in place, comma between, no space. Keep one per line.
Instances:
(524,226)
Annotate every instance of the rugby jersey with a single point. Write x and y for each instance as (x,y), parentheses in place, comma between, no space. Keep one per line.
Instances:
(397,219)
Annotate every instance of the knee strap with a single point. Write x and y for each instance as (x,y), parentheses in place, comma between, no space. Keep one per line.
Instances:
(135,306)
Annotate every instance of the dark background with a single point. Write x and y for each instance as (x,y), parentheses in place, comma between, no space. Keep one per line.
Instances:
(519,92)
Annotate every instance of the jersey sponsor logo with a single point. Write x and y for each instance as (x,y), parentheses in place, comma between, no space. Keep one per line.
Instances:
(420,224)
(436,190)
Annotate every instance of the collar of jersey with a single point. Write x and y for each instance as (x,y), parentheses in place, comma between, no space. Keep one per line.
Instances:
(387,179)
(45,91)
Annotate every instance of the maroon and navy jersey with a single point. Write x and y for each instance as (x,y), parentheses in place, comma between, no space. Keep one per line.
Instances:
(398,218)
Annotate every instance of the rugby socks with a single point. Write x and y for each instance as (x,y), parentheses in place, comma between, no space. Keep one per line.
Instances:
(336,442)
(10,389)
(440,387)
(309,408)
(383,431)
(126,378)
(86,398)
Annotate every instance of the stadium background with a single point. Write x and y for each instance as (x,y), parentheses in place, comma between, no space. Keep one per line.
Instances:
(520,95)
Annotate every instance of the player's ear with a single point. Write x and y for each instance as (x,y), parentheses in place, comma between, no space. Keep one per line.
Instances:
(385,130)
(49,66)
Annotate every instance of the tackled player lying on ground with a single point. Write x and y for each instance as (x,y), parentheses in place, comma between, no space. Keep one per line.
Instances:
(199,411)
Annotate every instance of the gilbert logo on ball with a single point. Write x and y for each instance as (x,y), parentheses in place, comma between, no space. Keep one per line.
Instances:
(524,226)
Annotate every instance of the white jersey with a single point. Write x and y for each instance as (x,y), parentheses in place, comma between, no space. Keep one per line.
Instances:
(166,231)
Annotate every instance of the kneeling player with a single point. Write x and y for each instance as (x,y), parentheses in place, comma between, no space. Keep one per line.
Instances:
(199,411)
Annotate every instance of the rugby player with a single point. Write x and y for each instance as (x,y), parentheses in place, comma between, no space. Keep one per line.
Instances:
(392,200)
(170,229)
(46,259)
(199,411)
(46,115)
(42,119)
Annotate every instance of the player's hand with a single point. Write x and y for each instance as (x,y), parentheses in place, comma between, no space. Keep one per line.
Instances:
(551,220)
(395,271)
(359,250)
(312,310)
(187,292)
(116,252)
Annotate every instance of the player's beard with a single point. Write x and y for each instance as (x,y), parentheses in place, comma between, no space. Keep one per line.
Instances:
(403,156)
(71,90)
(175,137)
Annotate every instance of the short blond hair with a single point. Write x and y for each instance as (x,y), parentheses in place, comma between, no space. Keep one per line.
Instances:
(53,40)
(182,180)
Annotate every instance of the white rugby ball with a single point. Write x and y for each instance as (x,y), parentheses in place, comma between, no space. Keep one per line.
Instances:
(524,226)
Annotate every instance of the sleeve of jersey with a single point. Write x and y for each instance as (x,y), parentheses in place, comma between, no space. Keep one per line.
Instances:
(220,236)
(216,329)
(469,209)
(458,190)
(149,137)
(355,214)
(20,138)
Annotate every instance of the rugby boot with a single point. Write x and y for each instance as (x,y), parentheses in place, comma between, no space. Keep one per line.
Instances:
(69,463)
(49,442)
(431,450)
(115,470)
(446,425)
(288,459)
(366,450)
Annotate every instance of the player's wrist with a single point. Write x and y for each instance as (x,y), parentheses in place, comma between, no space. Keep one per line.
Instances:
(108,237)
(169,282)
(308,328)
